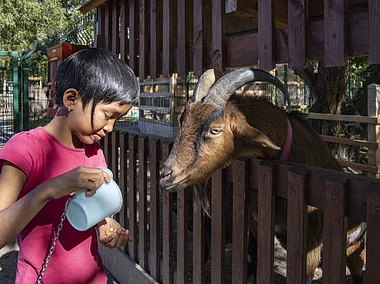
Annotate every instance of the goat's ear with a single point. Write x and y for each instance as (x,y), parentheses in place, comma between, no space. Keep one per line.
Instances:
(255,135)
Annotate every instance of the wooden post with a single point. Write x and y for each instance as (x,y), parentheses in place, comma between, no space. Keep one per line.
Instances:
(373,129)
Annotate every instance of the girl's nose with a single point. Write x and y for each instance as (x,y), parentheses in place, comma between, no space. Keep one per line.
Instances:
(108,127)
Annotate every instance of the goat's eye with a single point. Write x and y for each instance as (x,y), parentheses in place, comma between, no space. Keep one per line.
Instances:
(215,131)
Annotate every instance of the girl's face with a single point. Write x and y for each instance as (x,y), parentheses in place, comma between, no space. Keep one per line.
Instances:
(104,118)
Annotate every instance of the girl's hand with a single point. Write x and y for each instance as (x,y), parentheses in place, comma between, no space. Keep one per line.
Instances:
(118,237)
(80,177)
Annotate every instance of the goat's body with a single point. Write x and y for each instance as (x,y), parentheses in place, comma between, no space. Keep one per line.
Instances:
(304,139)
(210,137)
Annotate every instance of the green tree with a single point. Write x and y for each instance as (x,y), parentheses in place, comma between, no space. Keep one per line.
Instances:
(38,24)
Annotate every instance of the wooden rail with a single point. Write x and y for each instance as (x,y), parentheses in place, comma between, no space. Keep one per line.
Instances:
(337,117)
(372,143)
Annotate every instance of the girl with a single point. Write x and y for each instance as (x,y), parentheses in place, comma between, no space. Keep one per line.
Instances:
(40,169)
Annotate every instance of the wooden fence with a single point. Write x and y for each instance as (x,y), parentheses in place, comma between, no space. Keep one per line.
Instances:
(148,214)
(372,168)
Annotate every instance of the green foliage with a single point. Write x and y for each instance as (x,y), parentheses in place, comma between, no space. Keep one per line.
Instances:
(24,22)
(37,24)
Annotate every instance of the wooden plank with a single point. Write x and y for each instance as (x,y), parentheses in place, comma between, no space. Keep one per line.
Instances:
(167,37)
(132,198)
(266,213)
(159,37)
(124,24)
(143,39)
(297,33)
(123,181)
(115,26)
(155,238)
(100,27)
(115,155)
(124,268)
(218,227)
(240,170)
(242,50)
(182,235)
(108,25)
(362,167)
(143,234)
(181,38)
(133,30)
(342,117)
(356,208)
(217,35)
(334,23)
(357,34)
(167,216)
(334,230)
(198,38)
(198,239)
(348,141)
(266,39)
(297,226)
(105,147)
(373,103)
(373,235)
(110,157)
(374,31)
(153,39)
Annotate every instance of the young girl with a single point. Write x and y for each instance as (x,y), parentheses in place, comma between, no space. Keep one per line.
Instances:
(40,169)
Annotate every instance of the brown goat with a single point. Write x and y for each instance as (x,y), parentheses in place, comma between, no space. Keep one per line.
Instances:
(216,126)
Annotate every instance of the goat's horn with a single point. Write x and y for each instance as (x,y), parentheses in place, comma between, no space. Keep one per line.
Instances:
(204,84)
(223,89)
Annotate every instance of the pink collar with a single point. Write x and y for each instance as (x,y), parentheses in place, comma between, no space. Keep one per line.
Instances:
(285,151)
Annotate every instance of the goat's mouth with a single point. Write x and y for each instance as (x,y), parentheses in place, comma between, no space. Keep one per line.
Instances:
(166,184)
(171,188)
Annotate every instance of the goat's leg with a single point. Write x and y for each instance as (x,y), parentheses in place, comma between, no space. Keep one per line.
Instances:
(356,254)
(312,260)
(314,240)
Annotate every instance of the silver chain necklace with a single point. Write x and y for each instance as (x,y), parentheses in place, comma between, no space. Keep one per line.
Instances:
(51,250)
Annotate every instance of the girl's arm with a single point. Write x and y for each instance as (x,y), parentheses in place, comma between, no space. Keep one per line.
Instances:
(16,214)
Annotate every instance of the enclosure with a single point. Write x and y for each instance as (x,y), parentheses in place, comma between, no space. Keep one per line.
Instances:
(161,38)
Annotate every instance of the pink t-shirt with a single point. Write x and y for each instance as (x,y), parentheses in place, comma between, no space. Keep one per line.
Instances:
(75,258)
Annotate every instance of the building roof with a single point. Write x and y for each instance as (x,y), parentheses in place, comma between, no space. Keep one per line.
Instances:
(90,5)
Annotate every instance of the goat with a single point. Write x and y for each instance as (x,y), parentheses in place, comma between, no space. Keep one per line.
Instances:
(216,126)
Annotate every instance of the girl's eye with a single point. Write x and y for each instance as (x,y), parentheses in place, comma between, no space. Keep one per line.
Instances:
(107,117)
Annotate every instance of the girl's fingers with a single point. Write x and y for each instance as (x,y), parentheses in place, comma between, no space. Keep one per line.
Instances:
(106,177)
(118,239)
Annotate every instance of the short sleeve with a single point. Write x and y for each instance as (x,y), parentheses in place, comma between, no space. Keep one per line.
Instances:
(20,151)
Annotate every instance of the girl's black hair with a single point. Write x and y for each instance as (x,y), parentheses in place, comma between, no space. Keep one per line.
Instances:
(99,76)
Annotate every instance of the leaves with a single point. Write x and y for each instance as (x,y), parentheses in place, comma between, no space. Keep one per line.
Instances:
(28,23)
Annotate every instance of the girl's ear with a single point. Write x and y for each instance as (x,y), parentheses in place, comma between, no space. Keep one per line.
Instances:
(70,97)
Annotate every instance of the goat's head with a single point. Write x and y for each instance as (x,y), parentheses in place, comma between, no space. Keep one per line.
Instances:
(213,131)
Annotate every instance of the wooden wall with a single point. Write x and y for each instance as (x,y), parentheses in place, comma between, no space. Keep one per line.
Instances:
(158,38)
